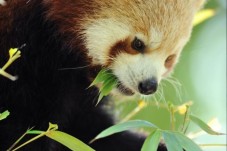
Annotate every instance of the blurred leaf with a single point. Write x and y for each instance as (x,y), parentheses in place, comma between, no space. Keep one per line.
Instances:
(152,141)
(185,142)
(171,142)
(204,126)
(4,115)
(123,127)
(203,15)
(69,141)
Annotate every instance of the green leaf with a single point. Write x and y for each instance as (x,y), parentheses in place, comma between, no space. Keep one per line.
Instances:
(107,80)
(152,141)
(124,126)
(4,115)
(69,141)
(186,143)
(102,76)
(171,141)
(204,126)
(52,127)
(108,85)
(100,98)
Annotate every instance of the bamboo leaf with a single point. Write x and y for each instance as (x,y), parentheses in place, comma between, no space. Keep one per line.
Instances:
(186,143)
(106,88)
(123,127)
(204,126)
(100,98)
(69,141)
(4,115)
(107,80)
(152,141)
(102,76)
(171,142)
(108,85)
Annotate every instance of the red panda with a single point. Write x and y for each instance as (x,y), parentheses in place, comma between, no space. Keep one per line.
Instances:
(67,43)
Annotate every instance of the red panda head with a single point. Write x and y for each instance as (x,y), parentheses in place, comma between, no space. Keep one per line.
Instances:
(139,40)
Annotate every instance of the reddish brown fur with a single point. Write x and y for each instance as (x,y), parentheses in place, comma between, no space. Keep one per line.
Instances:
(123,46)
(7,13)
(69,14)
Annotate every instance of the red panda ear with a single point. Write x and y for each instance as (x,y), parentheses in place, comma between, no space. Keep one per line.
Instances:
(197,4)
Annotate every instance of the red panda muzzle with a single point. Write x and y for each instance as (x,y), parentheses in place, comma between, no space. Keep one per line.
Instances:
(148,87)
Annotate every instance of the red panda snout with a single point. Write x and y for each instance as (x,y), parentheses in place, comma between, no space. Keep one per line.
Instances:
(148,87)
(138,74)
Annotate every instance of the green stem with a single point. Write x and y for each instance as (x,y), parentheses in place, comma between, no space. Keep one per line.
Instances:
(14,144)
(172,118)
(133,113)
(29,141)
(7,75)
(186,128)
(185,120)
(10,61)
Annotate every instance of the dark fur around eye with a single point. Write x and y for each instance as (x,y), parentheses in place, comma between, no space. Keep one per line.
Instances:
(138,45)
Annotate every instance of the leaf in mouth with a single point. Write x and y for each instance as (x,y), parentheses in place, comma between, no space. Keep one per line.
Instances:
(108,82)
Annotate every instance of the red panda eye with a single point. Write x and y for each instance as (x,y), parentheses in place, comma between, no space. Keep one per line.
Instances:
(138,45)
(170,61)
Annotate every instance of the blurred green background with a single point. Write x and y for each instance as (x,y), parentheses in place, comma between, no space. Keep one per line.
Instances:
(202,74)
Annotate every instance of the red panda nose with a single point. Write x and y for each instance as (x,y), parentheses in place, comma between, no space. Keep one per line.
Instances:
(148,86)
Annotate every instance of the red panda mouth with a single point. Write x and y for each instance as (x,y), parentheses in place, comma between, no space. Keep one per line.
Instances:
(124,90)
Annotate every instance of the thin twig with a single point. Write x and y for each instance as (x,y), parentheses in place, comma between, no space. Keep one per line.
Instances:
(213,145)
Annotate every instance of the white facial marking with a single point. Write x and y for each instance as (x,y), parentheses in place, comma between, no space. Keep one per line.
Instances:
(133,69)
(155,38)
(101,35)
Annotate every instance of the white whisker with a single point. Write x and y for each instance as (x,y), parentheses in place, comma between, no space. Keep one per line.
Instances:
(76,68)
(175,83)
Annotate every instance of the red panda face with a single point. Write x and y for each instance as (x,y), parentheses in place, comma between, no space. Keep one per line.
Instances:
(140,41)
